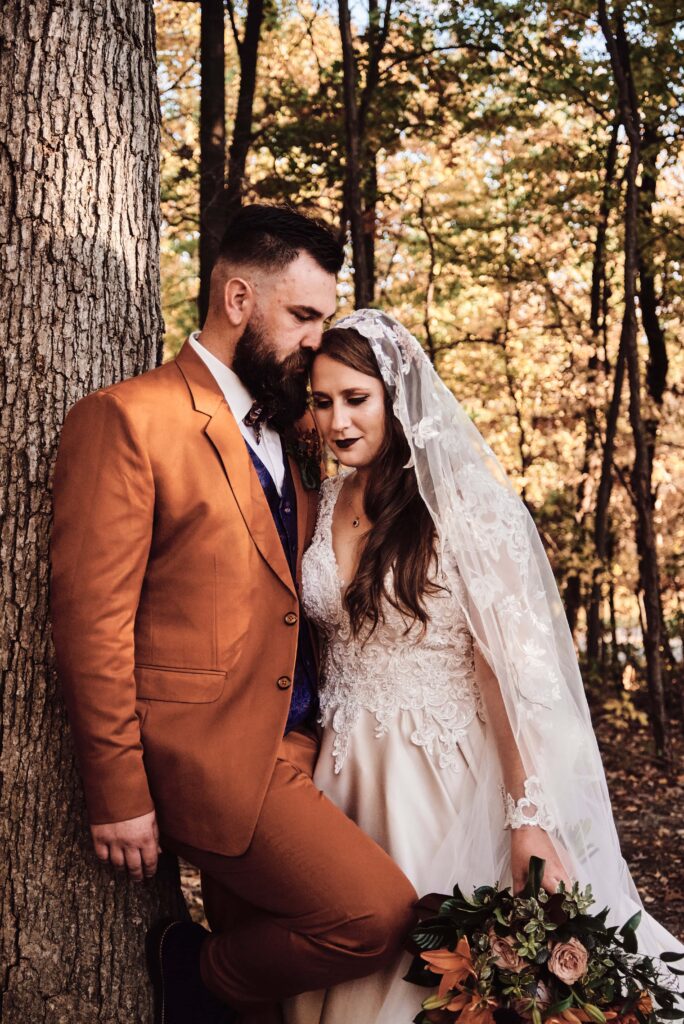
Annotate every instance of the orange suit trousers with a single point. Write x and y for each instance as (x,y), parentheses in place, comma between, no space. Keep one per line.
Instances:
(311,903)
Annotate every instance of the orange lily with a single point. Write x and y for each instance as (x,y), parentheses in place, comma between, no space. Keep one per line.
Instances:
(577,1016)
(453,966)
(479,1011)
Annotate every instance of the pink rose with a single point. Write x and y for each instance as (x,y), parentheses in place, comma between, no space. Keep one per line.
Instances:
(568,961)
(504,955)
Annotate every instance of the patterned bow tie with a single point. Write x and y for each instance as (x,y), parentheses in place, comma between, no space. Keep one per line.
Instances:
(255,418)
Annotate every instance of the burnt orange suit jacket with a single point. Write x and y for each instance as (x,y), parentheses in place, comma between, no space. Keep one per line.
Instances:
(174,612)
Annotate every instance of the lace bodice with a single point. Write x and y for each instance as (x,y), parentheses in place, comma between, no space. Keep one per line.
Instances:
(430,674)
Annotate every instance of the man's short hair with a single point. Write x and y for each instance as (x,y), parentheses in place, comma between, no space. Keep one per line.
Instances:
(271,237)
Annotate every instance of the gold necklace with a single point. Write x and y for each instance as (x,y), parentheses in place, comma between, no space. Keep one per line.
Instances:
(356,521)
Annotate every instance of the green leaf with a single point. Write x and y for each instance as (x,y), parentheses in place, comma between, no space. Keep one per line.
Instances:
(420,974)
(436,1002)
(564,1004)
(594,1012)
(498,914)
(534,877)
(483,892)
(632,924)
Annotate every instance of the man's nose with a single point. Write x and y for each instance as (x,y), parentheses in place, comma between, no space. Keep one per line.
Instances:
(312,337)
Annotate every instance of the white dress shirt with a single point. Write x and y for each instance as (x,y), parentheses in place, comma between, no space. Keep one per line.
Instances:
(239,401)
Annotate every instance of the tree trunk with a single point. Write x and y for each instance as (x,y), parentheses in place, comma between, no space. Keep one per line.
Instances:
(378,31)
(430,287)
(618,48)
(370,205)
(573,593)
(248,52)
(212,143)
(601,521)
(79,287)
(656,372)
(363,295)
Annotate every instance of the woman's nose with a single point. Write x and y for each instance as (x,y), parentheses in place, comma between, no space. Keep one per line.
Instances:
(340,417)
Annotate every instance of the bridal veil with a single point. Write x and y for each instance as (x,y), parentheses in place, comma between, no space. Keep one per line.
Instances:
(516,616)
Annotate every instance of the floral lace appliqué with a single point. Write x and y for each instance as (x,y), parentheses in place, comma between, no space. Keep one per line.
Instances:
(430,674)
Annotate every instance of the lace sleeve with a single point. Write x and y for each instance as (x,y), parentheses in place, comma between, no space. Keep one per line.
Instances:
(523,795)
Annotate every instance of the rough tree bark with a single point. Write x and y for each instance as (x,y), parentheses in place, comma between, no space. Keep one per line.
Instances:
(618,49)
(79,290)
(212,143)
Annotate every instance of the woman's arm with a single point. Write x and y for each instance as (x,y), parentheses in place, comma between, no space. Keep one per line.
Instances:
(531,839)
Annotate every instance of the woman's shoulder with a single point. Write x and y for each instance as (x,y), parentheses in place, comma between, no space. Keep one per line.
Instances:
(327,496)
(331,485)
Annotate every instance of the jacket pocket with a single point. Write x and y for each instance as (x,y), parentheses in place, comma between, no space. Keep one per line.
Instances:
(187,686)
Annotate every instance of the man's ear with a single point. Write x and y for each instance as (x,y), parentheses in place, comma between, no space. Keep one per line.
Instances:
(238,300)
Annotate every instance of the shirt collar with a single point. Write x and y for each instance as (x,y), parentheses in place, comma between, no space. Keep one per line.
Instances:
(235,393)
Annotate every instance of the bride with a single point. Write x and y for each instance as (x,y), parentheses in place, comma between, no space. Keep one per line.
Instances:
(456,732)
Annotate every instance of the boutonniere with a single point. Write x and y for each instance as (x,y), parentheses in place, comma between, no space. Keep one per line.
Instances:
(305,448)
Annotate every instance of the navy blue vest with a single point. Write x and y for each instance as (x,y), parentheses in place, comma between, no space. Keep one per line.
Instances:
(304,704)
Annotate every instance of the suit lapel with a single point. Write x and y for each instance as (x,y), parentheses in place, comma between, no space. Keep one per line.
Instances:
(302,513)
(224,434)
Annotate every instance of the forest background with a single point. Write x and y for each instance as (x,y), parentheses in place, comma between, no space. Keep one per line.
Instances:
(507,177)
(479,160)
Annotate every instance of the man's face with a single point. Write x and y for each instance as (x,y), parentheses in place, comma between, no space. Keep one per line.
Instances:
(273,355)
(295,305)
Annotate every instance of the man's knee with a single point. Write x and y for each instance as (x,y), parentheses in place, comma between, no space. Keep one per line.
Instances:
(379,933)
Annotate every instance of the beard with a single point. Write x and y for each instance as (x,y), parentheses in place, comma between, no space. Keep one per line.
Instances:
(280,386)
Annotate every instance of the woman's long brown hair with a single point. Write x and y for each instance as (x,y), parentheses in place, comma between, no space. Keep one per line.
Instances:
(402,537)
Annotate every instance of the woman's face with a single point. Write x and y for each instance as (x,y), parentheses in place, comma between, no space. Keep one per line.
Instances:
(349,407)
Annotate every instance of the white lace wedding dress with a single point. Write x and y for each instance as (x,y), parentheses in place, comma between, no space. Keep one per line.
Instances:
(406,751)
(403,723)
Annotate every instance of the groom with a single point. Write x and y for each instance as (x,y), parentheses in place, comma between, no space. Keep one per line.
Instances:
(187,665)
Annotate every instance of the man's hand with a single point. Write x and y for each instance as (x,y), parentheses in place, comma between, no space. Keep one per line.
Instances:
(132,845)
(532,841)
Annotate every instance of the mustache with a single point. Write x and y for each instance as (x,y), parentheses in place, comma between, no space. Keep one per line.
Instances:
(299,362)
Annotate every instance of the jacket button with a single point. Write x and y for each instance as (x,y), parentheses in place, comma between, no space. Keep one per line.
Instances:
(290,618)
(284,683)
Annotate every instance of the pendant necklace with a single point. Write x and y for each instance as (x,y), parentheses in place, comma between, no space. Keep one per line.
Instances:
(356,521)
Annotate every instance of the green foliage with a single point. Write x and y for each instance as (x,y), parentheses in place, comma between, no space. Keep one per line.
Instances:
(486,128)
(533,956)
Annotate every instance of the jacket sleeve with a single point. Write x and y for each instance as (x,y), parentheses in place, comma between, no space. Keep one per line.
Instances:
(103,495)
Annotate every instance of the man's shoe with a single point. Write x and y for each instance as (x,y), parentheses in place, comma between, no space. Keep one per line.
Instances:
(180,995)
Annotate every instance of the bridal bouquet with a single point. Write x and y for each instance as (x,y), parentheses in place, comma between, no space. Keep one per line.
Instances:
(534,958)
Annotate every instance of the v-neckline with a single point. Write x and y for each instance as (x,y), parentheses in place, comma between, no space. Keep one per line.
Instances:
(341,477)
